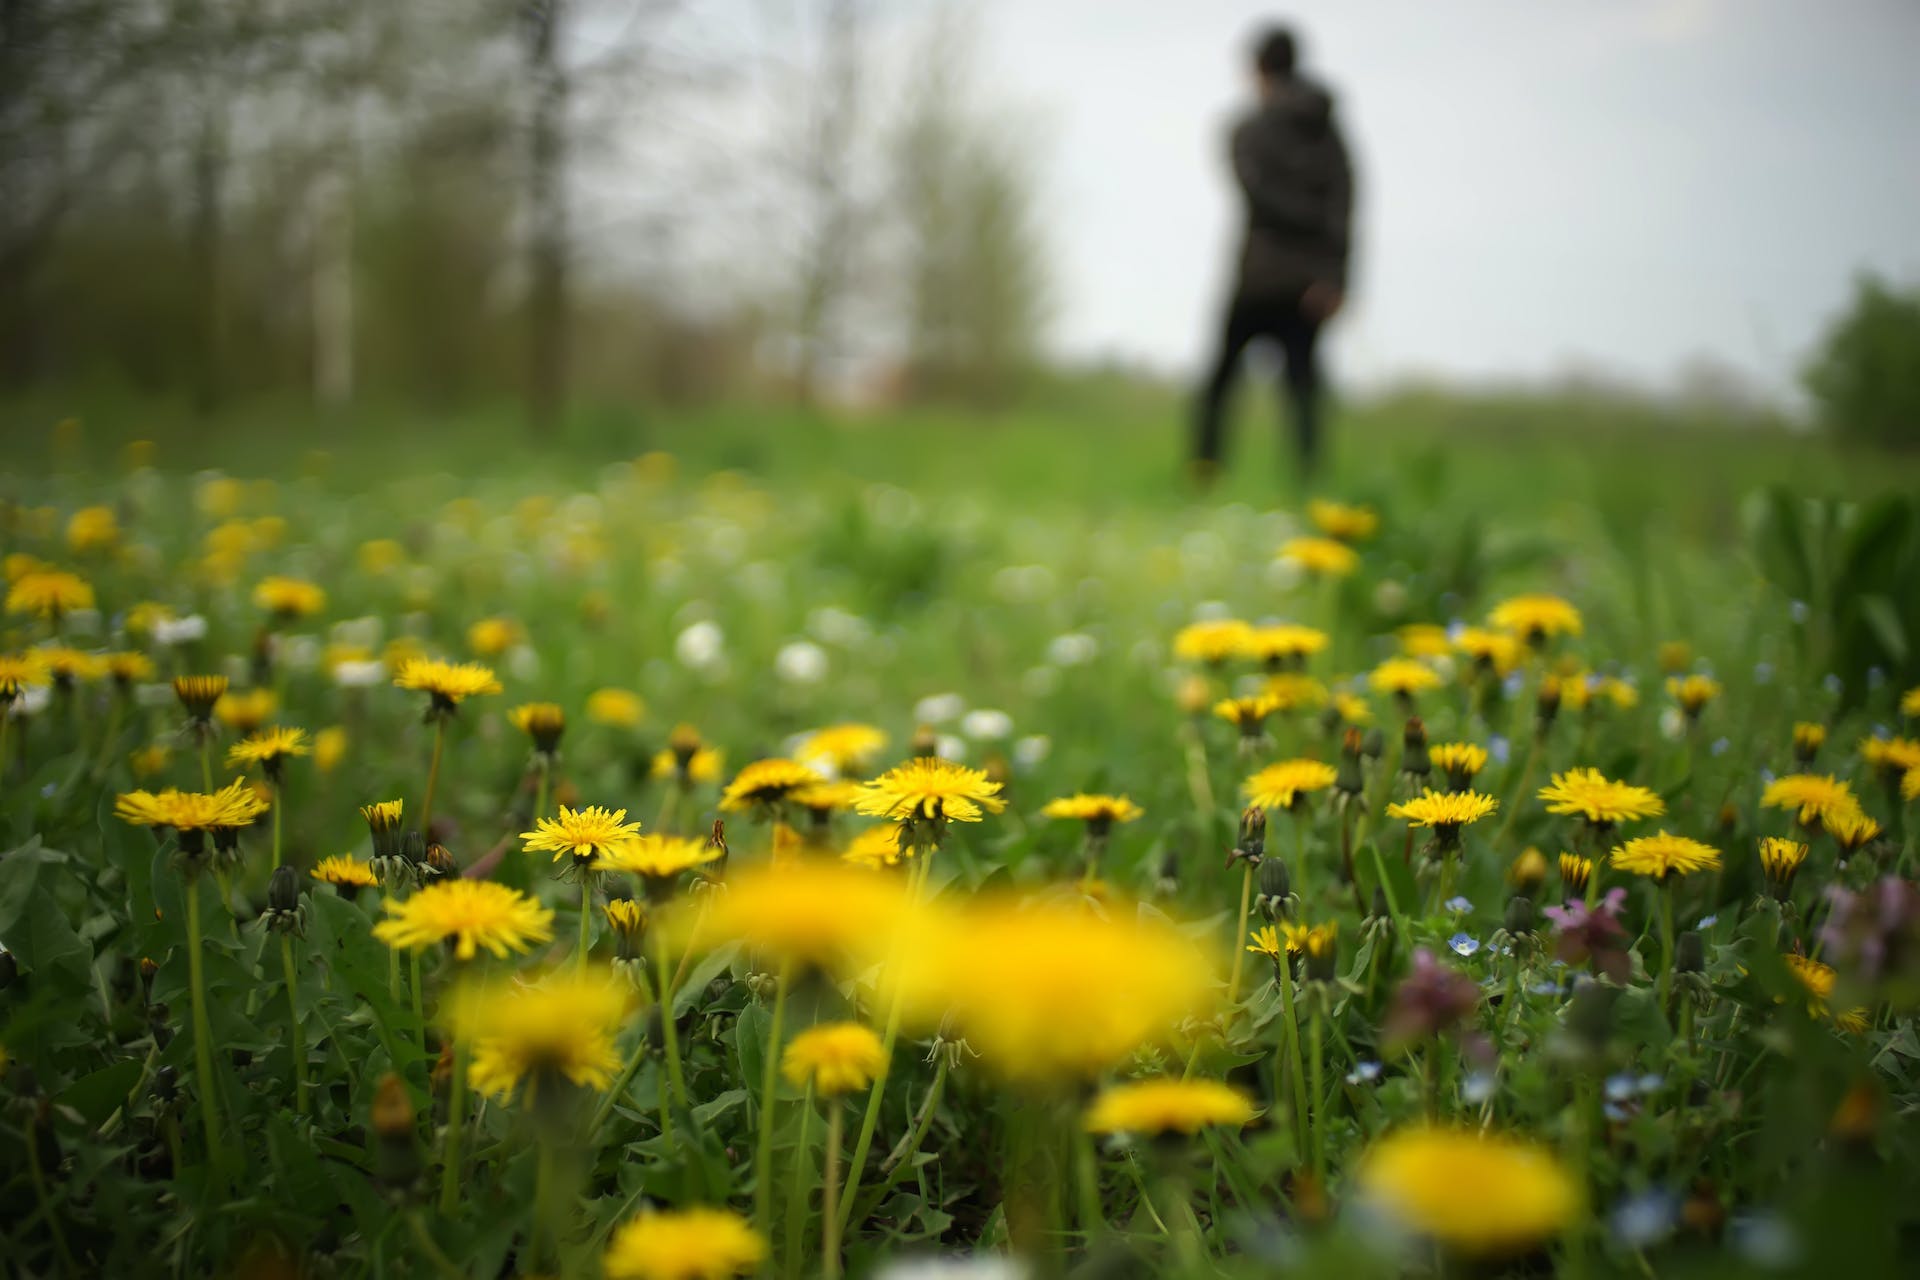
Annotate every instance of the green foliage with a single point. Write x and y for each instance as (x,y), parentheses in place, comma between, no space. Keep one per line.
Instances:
(1865,376)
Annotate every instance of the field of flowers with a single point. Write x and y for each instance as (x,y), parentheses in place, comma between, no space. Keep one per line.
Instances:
(681,875)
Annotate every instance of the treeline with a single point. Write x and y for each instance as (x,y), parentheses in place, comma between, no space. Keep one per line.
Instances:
(560,200)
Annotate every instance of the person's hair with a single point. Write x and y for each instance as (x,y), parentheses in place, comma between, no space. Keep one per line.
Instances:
(1274,53)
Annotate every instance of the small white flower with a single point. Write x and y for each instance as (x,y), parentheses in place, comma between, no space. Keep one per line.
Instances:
(32,700)
(297,653)
(801,662)
(1389,598)
(837,626)
(979,1267)
(701,645)
(359,675)
(948,747)
(523,663)
(1031,750)
(172,631)
(1073,649)
(984,724)
(1673,724)
(938,708)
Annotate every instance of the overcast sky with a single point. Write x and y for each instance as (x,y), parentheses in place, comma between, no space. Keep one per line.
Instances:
(1620,184)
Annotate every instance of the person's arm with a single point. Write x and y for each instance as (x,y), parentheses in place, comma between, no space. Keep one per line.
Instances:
(1274,198)
(1339,204)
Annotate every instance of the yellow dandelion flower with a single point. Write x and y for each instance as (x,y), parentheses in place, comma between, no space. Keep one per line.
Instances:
(1528,870)
(684,1244)
(1320,557)
(1808,737)
(1620,693)
(69,666)
(1444,811)
(1819,980)
(130,667)
(1851,831)
(491,637)
(848,748)
(471,914)
(834,1058)
(1589,794)
(1278,942)
(1291,691)
(269,748)
(289,598)
(1662,854)
(244,710)
(877,847)
(234,805)
(1890,755)
(1051,991)
(150,761)
(931,789)
(1536,617)
(1247,713)
(1478,1194)
(1576,871)
(447,684)
(1693,692)
(345,871)
(1460,761)
(1496,651)
(380,556)
(329,748)
(1780,859)
(92,529)
(1097,811)
(705,765)
(1351,708)
(767,783)
(21,671)
(1212,641)
(563,1027)
(828,797)
(1284,642)
(49,593)
(616,708)
(1815,798)
(1405,677)
(1282,785)
(1910,702)
(1424,640)
(199,694)
(543,722)
(807,912)
(1154,1107)
(586,835)
(1339,520)
(625,916)
(657,856)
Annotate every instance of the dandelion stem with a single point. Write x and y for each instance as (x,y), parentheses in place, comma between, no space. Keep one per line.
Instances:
(670,1034)
(278,795)
(1093,1222)
(829,1206)
(901,1158)
(202,1034)
(1318,1118)
(769,1081)
(1296,1072)
(586,920)
(619,1089)
(297,1041)
(433,777)
(456,1130)
(206,760)
(797,1191)
(544,770)
(1666,947)
(1240,933)
(419,1010)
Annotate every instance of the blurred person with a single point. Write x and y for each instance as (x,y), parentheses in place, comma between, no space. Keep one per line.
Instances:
(1293,170)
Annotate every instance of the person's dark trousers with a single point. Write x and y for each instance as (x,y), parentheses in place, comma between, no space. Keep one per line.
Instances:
(1296,334)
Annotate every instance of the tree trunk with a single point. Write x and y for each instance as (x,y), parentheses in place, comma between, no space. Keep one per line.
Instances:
(547,315)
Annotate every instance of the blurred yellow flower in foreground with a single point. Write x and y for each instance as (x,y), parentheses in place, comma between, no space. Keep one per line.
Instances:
(683,1244)
(1477,1194)
(562,1027)
(835,1058)
(471,914)
(1154,1107)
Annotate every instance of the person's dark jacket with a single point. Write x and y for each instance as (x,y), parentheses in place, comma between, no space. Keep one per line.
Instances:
(1293,169)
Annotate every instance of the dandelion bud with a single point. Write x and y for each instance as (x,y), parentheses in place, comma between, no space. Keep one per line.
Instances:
(1689,953)
(1528,872)
(543,722)
(1675,656)
(1276,887)
(413,847)
(198,694)
(1808,738)
(1253,833)
(383,824)
(1780,860)
(1373,744)
(1414,760)
(1321,947)
(1575,871)
(1379,909)
(148,968)
(1348,779)
(396,1154)
(1520,916)
(283,890)
(684,743)
(166,1085)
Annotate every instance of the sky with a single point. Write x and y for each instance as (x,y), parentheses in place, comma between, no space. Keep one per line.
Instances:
(1545,186)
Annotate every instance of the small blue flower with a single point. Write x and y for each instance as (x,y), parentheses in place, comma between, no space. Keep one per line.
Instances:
(1650,1082)
(1544,988)
(1615,1112)
(1464,944)
(1707,922)
(1763,673)
(1477,1088)
(46,792)
(1720,746)
(1765,1240)
(1797,610)
(1499,748)
(1875,677)
(1620,1087)
(1513,684)
(1832,684)
(1458,905)
(1766,777)
(1644,1219)
(1364,1073)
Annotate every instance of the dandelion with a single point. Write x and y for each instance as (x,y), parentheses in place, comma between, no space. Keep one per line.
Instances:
(345,873)
(929,792)
(1603,803)
(1852,832)
(1816,799)
(91,530)
(491,637)
(130,667)
(1780,861)
(446,684)
(1460,761)
(616,708)
(685,1244)
(586,835)
(1492,651)
(1575,872)
(69,666)
(807,914)
(270,749)
(1283,785)
(1152,1108)
(660,858)
(1424,640)
(562,1028)
(1480,1195)
(1536,618)
(1213,641)
(1247,714)
(834,1058)
(1406,678)
(289,599)
(1339,520)
(1808,738)
(1279,943)
(1320,557)
(20,672)
(847,748)
(1819,980)
(49,594)
(824,799)
(199,695)
(1693,693)
(1528,871)
(471,914)
(1661,855)
(245,710)
(543,722)
(1445,812)
(1099,812)
(1283,646)
(765,785)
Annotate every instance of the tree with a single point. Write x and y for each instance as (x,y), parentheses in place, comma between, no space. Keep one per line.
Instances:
(1865,376)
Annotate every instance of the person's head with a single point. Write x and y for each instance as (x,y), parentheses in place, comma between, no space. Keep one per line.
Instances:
(1274,54)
